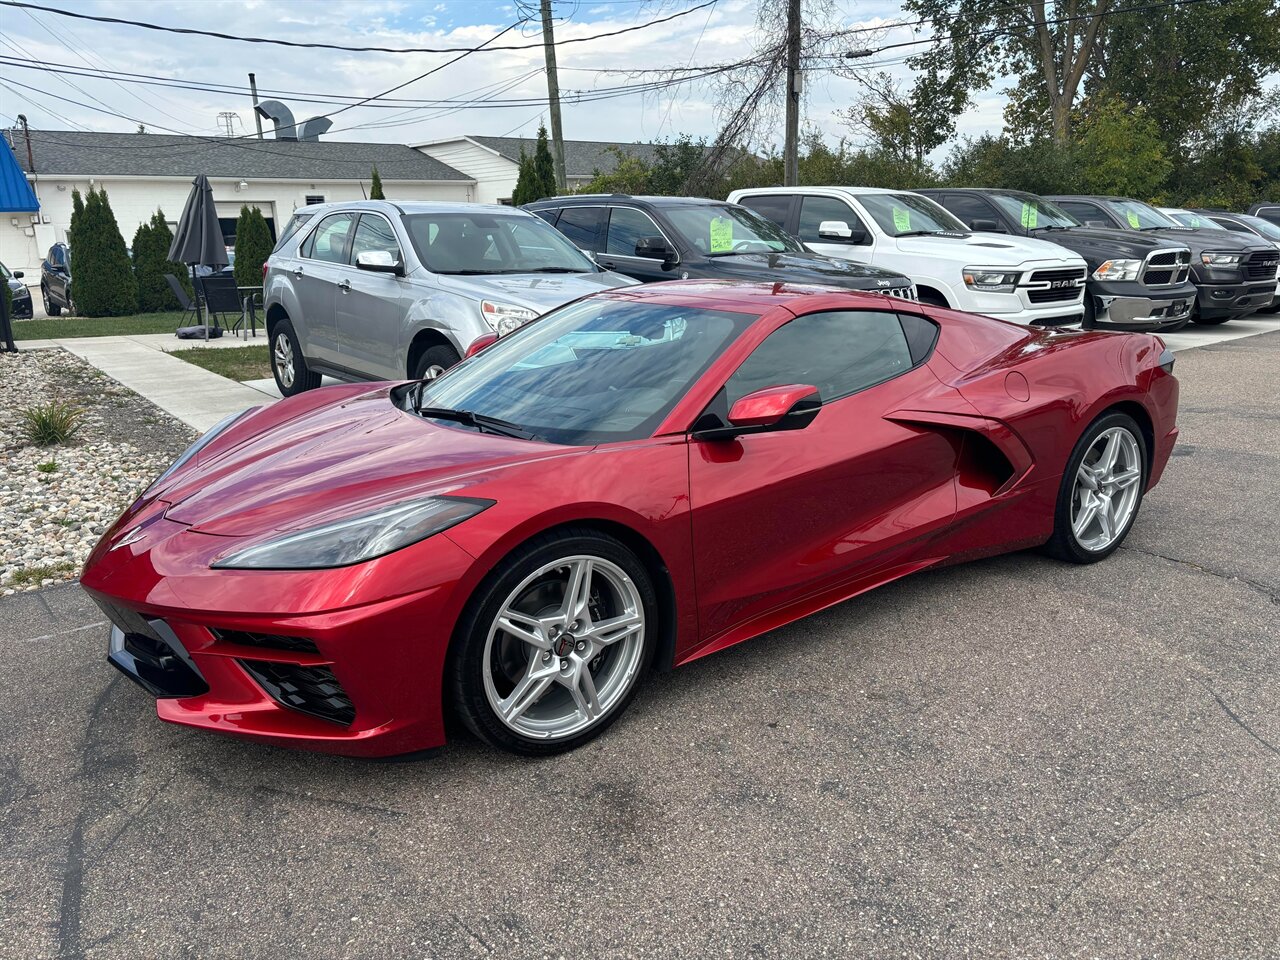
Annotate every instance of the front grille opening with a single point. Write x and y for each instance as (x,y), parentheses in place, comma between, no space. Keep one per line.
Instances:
(1054,296)
(311,690)
(267,640)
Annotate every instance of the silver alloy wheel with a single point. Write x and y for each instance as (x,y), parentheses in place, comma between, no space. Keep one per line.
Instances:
(1106,491)
(283,356)
(432,372)
(564,648)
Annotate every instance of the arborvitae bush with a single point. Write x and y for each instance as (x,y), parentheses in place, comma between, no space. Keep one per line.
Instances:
(375,188)
(253,246)
(102,281)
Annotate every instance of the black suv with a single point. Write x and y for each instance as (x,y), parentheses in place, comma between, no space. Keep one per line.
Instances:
(1234,275)
(1135,282)
(683,238)
(55,280)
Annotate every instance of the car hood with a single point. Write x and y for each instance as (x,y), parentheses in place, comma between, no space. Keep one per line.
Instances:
(1224,240)
(981,249)
(801,267)
(1096,244)
(538,291)
(333,461)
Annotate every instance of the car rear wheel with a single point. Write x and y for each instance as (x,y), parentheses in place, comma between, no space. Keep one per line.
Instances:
(1101,490)
(553,644)
(288,365)
(436,361)
(50,308)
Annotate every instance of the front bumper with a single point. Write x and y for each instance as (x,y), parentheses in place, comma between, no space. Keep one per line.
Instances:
(22,308)
(340,661)
(1129,305)
(1233,299)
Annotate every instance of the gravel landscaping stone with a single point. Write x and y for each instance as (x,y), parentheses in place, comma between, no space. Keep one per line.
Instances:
(58,500)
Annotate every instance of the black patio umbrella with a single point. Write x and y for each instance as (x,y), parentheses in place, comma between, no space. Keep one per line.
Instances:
(198,240)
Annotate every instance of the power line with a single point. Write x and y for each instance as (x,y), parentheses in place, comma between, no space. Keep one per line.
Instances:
(336,46)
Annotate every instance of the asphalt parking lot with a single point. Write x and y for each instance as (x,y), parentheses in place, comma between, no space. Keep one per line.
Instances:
(1012,758)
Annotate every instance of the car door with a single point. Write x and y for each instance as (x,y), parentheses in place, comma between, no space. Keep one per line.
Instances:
(624,227)
(320,267)
(584,226)
(784,515)
(371,305)
(817,210)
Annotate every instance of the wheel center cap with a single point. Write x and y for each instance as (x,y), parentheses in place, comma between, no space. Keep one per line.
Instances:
(563,644)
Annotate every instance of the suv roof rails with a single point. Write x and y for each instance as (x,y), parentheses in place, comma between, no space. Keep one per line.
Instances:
(570,196)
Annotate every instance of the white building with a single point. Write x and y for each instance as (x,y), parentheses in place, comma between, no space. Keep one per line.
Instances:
(142,172)
(494,162)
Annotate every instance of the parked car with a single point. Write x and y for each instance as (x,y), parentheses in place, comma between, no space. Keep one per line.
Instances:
(682,238)
(55,280)
(21,305)
(1020,280)
(640,478)
(1267,211)
(1134,282)
(1243,223)
(375,290)
(1234,275)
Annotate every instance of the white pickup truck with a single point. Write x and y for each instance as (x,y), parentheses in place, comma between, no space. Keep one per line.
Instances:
(1012,278)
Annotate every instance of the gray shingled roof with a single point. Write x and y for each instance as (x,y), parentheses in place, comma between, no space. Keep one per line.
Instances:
(64,152)
(582,158)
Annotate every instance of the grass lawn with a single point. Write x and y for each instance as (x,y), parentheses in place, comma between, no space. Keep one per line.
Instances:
(237,363)
(54,328)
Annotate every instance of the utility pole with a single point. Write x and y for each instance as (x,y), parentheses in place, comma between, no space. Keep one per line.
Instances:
(791,148)
(553,96)
(253,92)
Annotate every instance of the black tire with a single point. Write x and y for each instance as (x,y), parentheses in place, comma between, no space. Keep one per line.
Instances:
(435,361)
(1090,318)
(50,308)
(293,381)
(1210,321)
(1063,544)
(465,674)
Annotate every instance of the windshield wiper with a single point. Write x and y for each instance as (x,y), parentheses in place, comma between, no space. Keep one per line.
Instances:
(480,421)
(920,233)
(1051,226)
(554,270)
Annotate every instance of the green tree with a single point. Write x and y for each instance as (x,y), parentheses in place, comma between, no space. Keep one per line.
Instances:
(1041,166)
(1120,151)
(253,246)
(163,239)
(151,262)
(102,283)
(375,186)
(77,217)
(630,174)
(523,192)
(543,179)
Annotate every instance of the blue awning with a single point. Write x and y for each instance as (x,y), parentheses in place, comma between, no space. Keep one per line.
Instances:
(16,195)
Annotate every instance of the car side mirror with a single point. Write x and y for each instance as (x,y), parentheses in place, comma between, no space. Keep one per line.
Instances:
(837,231)
(789,407)
(379,261)
(18,274)
(655,248)
(481,342)
(986,226)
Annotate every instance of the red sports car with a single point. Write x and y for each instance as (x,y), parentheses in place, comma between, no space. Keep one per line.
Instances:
(640,478)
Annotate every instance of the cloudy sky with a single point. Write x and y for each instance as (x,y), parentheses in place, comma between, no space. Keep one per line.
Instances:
(722,33)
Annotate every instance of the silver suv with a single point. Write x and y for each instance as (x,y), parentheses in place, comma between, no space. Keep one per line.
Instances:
(376,290)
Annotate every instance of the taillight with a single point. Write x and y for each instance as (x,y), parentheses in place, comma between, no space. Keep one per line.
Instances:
(264,271)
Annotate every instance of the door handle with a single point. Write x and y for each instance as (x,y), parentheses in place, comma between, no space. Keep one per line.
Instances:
(608,264)
(297,272)
(345,286)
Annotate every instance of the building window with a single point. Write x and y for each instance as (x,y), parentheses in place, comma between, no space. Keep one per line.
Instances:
(314,198)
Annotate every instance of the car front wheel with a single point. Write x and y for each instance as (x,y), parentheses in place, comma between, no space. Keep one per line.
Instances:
(552,647)
(435,361)
(288,365)
(1101,490)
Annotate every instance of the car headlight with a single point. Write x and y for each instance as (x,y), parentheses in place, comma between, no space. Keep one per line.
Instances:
(990,281)
(1118,270)
(209,436)
(506,317)
(355,539)
(1220,259)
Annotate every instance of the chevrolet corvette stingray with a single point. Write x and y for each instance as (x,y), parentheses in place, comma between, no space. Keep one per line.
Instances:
(638,479)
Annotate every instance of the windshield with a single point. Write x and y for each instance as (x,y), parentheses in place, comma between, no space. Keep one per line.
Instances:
(1264,227)
(594,371)
(1139,216)
(721,230)
(1033,212)
(1195,220)
(487,243)
(903,214)
(4,271)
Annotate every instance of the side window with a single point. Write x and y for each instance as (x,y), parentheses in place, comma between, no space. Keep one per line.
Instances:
(840,353)
(814,211)
(774,206)
(626,226)
(968,207)
(328,241)
(1231,225)
(295,224)
(548,215)
(1084,212)
(581,225)
(375,233)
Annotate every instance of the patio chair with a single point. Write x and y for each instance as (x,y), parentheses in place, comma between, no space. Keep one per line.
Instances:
(180,294)
(221,297)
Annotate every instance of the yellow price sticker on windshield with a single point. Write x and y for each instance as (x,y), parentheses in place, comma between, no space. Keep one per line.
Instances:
(721,234)
(1029,215)
(1133,220)
(901,220)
